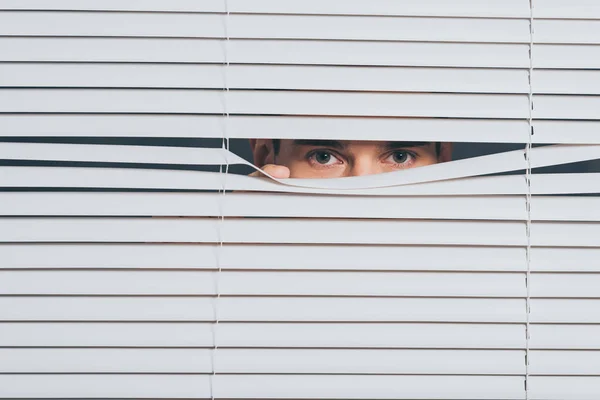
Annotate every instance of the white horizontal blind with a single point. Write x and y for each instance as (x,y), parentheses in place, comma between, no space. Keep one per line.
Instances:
(435,283)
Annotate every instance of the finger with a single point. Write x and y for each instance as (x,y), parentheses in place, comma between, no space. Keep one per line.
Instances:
(276,171)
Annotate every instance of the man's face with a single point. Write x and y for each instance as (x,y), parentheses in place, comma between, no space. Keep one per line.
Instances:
(343,158)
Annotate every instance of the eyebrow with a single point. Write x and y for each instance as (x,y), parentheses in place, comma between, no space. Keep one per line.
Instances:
(339,145)
(326,143)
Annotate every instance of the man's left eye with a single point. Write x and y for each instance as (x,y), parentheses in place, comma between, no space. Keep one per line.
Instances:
(400,157)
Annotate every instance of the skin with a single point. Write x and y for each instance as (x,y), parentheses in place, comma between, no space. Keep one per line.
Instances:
(343,158)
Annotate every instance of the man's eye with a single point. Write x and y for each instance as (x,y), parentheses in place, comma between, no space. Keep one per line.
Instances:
(324,158)
(400,157)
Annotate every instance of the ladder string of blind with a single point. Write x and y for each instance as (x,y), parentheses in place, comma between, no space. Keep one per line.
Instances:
(221,221)
(528,148)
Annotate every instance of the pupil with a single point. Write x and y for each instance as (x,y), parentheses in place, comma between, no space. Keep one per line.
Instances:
(400,157)
(323,158)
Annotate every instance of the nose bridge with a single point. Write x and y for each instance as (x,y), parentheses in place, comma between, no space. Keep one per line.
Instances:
(364,164)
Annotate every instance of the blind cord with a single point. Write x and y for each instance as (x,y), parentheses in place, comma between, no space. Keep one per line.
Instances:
(221,221)
(528,174)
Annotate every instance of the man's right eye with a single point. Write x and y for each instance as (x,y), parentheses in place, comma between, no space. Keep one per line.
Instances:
(323,158)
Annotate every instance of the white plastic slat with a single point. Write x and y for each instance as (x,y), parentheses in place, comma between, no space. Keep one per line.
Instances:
(116,5)
(119,154)
(500,233)
(264,386)
(263,102)
(562,9)
(561,387)
(102,49)
(566,82)
(566,311)
(562,234)
(309,52)
(282,257)
(244,127)
(565,285)
(77,24)
(106,386)
(369,387)
(112,75)
(372,335)
(264,77)
(114,334)
(266,361)
(513,8)
(256,26)
(565,337)
(562,131)
(565,208)
(470,8)
(409,284)
(566,107)
(566,31)
(192,180)
(544,362)
(372,309)
(380,361)
(376,28)
(294,205)
(256,309)
(566,56)
(565,259)
(264,335)
(278,205)
(137,361)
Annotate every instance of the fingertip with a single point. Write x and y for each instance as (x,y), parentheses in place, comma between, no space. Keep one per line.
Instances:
(279,172)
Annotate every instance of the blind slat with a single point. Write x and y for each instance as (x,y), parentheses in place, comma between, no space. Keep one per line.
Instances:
(256,26)
(285,205)
(303,52)
(245,127)
(266,386)
(264,335)
(565,285)
(471,8)
(561,337)
(106,386)
(262,102)
(500,233)
(265,361)
(566,31)
(362,387)
(566,82)
(564,363)
(253,283)
(265,309)
(264,77)
(138,361)
(561,387)
(566,9)
(283,257)
(116,5)
(565,311)
(564,56)
(191,180)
